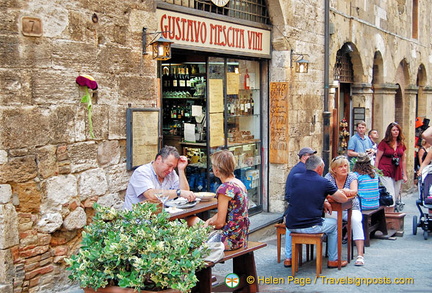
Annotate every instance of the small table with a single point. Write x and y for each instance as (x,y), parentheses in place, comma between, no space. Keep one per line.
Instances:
(339,208)
(203,207)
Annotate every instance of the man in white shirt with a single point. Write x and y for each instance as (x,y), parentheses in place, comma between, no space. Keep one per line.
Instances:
(159,176)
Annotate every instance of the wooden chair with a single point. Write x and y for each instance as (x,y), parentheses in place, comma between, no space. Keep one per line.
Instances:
(298,239)
(281,230)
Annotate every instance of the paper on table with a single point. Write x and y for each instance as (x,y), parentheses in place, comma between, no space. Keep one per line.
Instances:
(189,132)
(196,110)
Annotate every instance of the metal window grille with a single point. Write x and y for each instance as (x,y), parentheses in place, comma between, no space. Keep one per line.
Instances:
(343,70)
(252,10)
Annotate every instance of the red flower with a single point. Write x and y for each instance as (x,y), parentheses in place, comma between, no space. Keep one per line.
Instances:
(88,81)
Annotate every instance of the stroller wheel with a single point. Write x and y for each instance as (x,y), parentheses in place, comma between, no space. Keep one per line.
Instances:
(425,235)
(414,225)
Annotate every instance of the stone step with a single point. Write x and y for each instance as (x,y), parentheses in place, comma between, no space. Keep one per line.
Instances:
(262,225)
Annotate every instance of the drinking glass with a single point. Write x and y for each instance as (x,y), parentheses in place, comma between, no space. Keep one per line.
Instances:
(162,197)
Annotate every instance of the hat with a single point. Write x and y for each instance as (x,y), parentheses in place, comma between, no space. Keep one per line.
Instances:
(306,151)
(363,158)
(418,123)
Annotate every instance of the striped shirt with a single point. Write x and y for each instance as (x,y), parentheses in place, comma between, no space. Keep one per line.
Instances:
(368,191)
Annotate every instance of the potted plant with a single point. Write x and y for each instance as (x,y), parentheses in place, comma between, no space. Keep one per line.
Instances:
(139,249)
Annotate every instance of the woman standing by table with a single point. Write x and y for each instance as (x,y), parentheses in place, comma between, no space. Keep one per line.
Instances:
(346,181)
(391,159)
(232,216)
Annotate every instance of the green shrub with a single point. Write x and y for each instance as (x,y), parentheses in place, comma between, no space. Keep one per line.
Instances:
(139,249)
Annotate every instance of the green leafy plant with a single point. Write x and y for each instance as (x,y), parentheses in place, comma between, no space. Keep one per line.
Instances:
(140,249)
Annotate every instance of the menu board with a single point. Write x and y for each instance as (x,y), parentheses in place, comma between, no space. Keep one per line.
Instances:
(233,83)
(216,98)
(217,133)
(278,123)
(142,137)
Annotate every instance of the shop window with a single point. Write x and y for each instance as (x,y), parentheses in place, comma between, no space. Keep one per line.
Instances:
(211,105)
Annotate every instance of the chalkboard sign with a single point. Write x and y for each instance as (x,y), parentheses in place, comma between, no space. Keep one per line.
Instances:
(359,114)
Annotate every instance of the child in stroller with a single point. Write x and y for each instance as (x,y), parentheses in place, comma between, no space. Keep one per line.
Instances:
(424,201)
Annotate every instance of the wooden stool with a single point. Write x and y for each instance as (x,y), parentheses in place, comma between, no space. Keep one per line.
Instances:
(302,238)
(281,230)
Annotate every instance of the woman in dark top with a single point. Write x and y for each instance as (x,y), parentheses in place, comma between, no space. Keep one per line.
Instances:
(391,159)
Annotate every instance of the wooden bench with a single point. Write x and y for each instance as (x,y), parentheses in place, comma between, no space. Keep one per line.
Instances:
(373,220)
(243,266)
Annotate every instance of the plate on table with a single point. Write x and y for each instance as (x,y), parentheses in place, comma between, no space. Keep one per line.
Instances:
(205,196)
(181,203)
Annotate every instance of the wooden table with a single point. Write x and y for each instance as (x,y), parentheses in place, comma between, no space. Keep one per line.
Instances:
(203,207)
(339,208)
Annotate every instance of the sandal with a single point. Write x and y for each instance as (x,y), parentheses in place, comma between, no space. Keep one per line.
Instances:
(359,261)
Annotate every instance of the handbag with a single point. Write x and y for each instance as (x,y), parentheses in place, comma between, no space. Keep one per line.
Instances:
(216,247)
(385,199)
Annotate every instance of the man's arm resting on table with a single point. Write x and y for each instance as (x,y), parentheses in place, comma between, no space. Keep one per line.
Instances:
(339,196)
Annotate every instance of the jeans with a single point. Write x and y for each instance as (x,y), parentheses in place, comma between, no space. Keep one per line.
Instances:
(329,227)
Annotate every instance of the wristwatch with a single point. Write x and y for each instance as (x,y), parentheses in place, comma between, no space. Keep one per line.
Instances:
(178,192)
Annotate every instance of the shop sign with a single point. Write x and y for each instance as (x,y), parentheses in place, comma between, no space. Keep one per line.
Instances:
(210,34)
(278,123)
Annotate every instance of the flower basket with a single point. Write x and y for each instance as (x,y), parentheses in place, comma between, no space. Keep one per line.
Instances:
(139,249)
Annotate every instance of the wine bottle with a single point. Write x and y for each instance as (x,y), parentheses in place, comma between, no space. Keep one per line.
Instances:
(246,80)
(181,78)
(187,78)
(165,77)
(174,79)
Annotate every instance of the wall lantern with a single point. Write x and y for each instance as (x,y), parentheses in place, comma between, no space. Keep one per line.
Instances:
(301,65)
(161,47)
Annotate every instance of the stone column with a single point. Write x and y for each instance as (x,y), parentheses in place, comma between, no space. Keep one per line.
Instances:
(425,102)
(383,106)
(362,96)
(409,116)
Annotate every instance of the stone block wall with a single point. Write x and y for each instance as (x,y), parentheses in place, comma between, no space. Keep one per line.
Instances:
(51,171)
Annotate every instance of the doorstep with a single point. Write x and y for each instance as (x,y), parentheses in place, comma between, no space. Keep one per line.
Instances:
(262,225)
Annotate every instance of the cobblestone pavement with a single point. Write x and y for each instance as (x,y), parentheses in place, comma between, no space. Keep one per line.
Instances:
(401,265)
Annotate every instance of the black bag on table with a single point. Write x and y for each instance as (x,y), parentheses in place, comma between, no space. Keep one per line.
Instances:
(386,199)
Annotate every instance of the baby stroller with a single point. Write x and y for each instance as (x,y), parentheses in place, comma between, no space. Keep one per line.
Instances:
(424,201)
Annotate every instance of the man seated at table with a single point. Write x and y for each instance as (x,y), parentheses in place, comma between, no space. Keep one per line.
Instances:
(304,215)
(159,176)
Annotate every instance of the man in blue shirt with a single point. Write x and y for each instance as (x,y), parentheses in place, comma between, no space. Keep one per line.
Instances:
(359,142)
(309,191)
(300,167)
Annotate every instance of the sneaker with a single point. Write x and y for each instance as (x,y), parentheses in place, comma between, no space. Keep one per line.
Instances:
(287,263)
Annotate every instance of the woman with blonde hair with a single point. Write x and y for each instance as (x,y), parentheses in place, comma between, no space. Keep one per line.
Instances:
(340,175)
(232,215)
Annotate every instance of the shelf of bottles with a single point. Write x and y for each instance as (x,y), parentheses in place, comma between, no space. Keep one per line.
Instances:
(183,86)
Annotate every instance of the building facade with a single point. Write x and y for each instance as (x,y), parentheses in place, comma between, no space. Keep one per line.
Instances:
(365,60)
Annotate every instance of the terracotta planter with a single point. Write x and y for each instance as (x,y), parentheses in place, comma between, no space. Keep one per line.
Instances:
(115,289)
(395,221)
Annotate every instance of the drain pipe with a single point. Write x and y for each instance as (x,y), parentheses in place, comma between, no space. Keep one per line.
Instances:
(326,113)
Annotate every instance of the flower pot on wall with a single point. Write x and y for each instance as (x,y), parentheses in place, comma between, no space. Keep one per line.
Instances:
(116,289)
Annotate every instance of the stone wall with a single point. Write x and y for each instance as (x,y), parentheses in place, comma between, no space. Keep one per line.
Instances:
(51,171)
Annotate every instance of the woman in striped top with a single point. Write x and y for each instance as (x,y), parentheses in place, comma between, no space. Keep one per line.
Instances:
(368,190)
